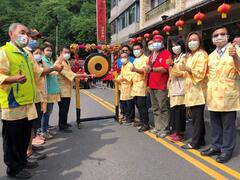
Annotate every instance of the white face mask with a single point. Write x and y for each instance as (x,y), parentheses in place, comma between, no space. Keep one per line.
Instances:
(176,50)
(150,47)
(22,41)
(137,53)
(37,57)
(66,56)
(124,60)
(220,40)
(157,46)
(49,54)
(193,45)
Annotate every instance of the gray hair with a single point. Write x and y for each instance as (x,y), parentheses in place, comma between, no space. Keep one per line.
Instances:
(13,26)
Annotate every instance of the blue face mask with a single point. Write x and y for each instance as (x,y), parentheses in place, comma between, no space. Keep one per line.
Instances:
(33,44)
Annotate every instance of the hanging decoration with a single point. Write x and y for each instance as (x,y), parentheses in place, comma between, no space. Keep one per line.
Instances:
(224,9)
(139,39)
(132,41)
(167,29)
(199,18)
(180,23)
(147,36)
(155,32)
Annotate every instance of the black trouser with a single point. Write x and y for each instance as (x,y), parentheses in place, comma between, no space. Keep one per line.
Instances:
(63,112)
(16,136)
(223,131)
(122,105)
(178,118)
(130,109)
(141,103)
(36,124)
(198,126)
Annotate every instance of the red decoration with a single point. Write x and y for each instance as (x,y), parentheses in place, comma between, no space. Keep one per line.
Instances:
(139,39)
(180,23)
(199,18)
(155,32)
(132,40)
(224,9)
(167,29)
(98,47)
(81,46)
(101,20)
(147,36)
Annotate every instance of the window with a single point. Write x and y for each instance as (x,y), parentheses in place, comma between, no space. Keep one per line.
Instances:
(114,27)
(113,3)
(132,14)
(122,21)
(155,3)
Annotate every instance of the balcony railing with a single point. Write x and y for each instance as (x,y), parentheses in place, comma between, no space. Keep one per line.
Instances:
(161,8)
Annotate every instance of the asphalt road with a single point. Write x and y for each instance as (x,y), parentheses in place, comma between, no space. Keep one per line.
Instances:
(105,150)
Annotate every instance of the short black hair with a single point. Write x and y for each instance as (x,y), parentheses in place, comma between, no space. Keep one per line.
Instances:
(127,46)
(178,41)
(237,36)
(46,45)
(138,44)
(220,27)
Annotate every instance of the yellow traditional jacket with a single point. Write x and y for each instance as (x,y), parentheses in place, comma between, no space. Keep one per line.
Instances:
(176,77)
(139,87)
(196,81)
(223,92)
(126,86)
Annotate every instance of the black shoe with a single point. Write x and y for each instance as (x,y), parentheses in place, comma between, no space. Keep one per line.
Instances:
(223,157)
(128,123)
(23,174)
(37,148)
(137,124)
(210,152)
(144,128)
(69,125)
(65,130)
(31,165)
(37,156)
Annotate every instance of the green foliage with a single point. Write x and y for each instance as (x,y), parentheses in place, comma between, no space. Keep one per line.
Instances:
(76,19)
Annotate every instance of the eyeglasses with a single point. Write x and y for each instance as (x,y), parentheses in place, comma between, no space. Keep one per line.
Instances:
(220,34)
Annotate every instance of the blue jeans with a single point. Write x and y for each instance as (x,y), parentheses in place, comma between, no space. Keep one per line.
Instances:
(45,118)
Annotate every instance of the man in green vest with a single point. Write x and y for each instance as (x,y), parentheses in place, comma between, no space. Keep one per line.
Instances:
(17,93)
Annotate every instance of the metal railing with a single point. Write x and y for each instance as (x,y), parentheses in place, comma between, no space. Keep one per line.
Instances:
(159,9)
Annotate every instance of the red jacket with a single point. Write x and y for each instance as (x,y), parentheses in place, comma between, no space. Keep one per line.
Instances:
(157,80)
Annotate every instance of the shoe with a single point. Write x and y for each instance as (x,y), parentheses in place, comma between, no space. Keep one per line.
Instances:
(137,123)
(153,131)
(210,152)
(31,165)
(173,135)
(188,146)
(162,134)
(37,141)
(52,132)
(144,128)
(128,123)
(37,156)
(65,130)
(177,138)
(223,158)
(37,148)
(23,174)
(52,127)
(69,125)
(46,135)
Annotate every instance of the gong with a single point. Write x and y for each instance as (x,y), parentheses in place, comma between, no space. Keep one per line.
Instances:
(97,64)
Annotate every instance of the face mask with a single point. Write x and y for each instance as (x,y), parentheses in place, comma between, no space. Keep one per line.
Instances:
(33,44)
(137,53)
(176,50)
(66,56)
(49,54)
(150,47)
(220,40)
(22,41)
(193,45)
(124,60)
(157,46)
(37,57)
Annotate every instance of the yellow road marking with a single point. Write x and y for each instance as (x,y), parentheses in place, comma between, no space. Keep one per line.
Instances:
(222,167)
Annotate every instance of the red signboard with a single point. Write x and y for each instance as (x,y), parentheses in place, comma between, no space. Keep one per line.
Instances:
(101,21)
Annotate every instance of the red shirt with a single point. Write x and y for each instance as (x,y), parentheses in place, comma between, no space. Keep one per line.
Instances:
(158,80)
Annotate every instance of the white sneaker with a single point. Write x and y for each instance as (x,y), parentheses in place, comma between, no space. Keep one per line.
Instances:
(154,131)
(46,135)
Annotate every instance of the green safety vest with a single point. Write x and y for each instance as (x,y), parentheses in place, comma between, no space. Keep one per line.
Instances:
(18,94)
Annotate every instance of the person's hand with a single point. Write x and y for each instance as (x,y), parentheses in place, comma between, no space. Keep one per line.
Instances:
(182,67)
(147,69)
(133,68)
(169,61)
(232,50)
(20,79)
(58,67)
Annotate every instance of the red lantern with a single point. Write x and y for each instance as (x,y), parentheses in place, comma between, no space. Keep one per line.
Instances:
(139,39)
(132,40)
(98,47)
(199,17)
(180,23)
(147,36)
(224,9)
(167,29)
(155,32)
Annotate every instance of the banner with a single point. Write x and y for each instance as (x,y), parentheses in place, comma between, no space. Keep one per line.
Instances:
(101,21)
